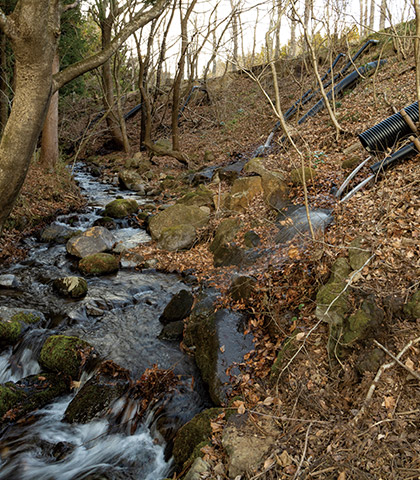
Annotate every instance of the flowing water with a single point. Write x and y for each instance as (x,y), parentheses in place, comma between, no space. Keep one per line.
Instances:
(119,317)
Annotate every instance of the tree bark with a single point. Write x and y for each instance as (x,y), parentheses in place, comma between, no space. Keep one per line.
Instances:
(34,30)
(4,98)
(49,140)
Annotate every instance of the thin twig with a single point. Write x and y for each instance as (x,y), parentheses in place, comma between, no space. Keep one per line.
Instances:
(305,448)
(397,360)
(375,382)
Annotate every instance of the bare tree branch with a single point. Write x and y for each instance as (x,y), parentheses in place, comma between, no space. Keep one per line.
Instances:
(139,20)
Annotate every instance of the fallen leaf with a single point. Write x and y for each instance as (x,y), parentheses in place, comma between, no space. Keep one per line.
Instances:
(342,476)
(409,364)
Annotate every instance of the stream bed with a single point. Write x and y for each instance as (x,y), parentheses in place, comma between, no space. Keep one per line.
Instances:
(120,318)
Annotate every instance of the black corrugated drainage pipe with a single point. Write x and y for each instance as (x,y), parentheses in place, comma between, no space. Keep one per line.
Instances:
(406,151)
(347,82)
(390,130)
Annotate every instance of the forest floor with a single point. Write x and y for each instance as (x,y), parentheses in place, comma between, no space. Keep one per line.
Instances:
(327,426)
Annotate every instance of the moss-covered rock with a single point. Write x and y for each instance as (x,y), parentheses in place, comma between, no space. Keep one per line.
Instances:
(252,239)
(74,287)
(131,180)
(14,321)
(359,253)
(178,215)
(361,324)
(193,433)
(177,237)
(201,197)
(296,175)
(97,394)
(139,162)
(30,393)
(250,185)
(224,253)
(67,355)
(99,264)
(412,307)
(106,222)
(286,351)
(121,207)
(370,360)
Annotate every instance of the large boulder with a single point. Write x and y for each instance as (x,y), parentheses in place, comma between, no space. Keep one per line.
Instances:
(108,384)
(178,237)
(220,343)
(14,321)
(273,184)
(121,207)
(74,287)
(178,215)
(30,393)
(131,180)
(56,233)
(359,253)
(178,308)
(67,355)
(94,240)
(250,185)
(99,264)
(139,162)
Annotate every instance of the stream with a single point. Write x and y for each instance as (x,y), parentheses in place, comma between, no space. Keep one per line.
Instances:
(120,318)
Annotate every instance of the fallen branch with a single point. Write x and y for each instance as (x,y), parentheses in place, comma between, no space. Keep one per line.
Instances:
(305,448)
(375,382)
(397,360)
(164,151)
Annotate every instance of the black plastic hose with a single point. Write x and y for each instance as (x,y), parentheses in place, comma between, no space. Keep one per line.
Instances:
(347,82)
(389,131)
(406,151)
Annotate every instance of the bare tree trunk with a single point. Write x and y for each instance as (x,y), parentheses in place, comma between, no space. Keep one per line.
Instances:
(372,16)
(235,36)
(361,18)
(180,73)
(417,50)
(4,98)
(382,16)
(277,31)
(49,140)
(292,51)
(108,86)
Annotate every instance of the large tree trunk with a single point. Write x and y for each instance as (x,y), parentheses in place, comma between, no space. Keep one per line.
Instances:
(35,30)
(108,88)
(49,141)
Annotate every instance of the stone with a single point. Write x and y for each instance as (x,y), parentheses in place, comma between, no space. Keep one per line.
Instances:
(255,166)
(172,331)
(193,433)
(361,324)
(99,264)
(121,207)
(56,233)
(242,287)
(252,186)
(224,252)
(97,394)
(198,467)
(14,321)
(131,242)
(246,446)
(359,253)
(237,202)
(30,393)
(131,260)
(199,197)
(139,162)
(177,215)
(67,355)
(370,360)
(220,344)
(350,163)
(412,307)
(106,222)
(178,237)
(252,239)
(231,172)
(74,287)
(178,308)
(94,240)
(131,180)
(8,281)
(296,175)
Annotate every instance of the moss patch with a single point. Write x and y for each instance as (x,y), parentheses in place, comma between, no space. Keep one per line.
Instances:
(65,354)
(193,434)
(10,330)
(121,207)
(99,264)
